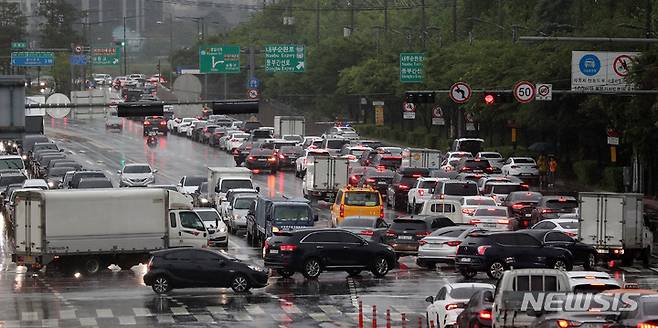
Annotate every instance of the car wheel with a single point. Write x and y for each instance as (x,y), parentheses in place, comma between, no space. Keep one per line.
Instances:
(590,262)
(161,285)
(312,268)
(560,264)
(91,265)
(496,270)
(285,273)
(240,284)
(353,272)
(467,273)
(379,267)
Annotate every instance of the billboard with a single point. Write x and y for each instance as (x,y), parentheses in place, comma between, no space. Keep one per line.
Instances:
(601,71)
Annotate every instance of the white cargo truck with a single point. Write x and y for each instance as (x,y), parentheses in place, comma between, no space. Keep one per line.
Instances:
(614,224)
(223,179)
(324,176)
(289,125)
(421,158)
(89,229)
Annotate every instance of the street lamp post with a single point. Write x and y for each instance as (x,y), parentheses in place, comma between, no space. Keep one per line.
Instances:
(125,48)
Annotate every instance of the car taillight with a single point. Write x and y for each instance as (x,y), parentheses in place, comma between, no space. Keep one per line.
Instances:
(422,242)
(282,156)
(482,249)
(391,233)
(370,180)
(485,315)
(266,245)
(287,248)
(474,221)
(150,264)
(514,167)
(571,234)
(272,159)
(488,169)
(342,211)
(381,211)
(503,221)
(422,233)
(403,187)
(147,123)
(548,211)
(525,187)
(647,325)
(453,243)
(453,306)
(517,206)
(421,192)
(250,158)
(468,211)
(163,123)
(366,232)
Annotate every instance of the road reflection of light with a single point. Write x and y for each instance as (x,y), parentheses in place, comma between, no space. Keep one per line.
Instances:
(18,282)
(52,122)
(66,122)
(281,180)
(77,275)
(162,143)
(271,185)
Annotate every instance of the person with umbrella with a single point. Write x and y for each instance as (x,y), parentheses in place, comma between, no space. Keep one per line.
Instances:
(552,171)
(542,166)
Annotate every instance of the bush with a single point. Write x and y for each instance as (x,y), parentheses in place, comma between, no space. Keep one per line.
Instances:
(586,171)
(613,179)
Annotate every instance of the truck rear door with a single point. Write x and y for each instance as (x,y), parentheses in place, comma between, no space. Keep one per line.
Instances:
(28,225)
(601,220)
(340,174)
(321,170)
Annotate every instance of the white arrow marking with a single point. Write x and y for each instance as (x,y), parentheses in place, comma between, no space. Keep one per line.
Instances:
(214,63)
(300,65)
(115,61)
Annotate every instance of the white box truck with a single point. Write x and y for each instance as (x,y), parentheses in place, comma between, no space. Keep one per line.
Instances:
(89,229)
(421,158)
(223,179)
(614,224)
(324,176)
(289,125)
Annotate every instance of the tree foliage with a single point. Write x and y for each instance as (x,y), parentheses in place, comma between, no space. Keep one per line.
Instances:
(57,29)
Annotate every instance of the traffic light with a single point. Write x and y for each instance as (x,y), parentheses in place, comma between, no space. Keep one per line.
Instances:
(419,97)
(494,98)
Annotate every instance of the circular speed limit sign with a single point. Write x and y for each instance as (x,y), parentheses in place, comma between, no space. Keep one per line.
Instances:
(524,92)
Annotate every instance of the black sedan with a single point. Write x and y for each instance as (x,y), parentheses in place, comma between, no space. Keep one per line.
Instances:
(477,312)
(315,250)
(262,159)
(582,253)
(371,228)
(195,267)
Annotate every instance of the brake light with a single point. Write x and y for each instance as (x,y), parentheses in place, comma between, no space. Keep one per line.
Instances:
(488,169)
(503,221)
(366,232)
(647,325)
(517,206)
(468,211)
(482,249)
(251,158)
(381,168)
(266,245)
(422,242)
(282,156)
(525,186)
(416,175)
(391,233)
(370,180)
(163,123)
(485,315)
(342,211)
(287,248)
(454,243)
(421,192)
(562,323)
(381,211)
(403,187)
(150,264)
(548,210)
(474,221)
(422,233)
(571,234)
(272,159)
(147,123)
(453,306)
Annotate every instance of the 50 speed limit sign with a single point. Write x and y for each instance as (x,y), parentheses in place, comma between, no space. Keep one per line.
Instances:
(524,92)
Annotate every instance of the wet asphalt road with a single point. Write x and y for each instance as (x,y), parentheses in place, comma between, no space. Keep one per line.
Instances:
(117,298)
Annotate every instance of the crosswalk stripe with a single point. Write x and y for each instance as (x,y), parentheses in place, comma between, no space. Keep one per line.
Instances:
(329,309)
(243,317)
(127,320)
(104,313)
(88,322)
(204,318)
(164,318)
(67,314)
(179,310)
(319,316)
(291,308)
(282,317)
(254,310)
(29,316)
(216,310)
(142,312)
(50,323)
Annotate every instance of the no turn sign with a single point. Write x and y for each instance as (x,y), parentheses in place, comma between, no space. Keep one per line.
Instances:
(544,92)
(408,111)
(524,92)
(253,93)
(460,92)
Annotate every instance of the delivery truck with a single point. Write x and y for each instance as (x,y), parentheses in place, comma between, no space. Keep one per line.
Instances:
(421,158)
(89,229)
(289,125)
(223,179)
(324,176)
(614,224)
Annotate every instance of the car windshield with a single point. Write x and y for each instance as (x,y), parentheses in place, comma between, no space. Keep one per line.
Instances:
(362,198)
(11,163)
(505,189)
(208,216)
(427,184)
(461,189)
(58,171)
(357,152)
(525,196)
(464,293)
(484,201)
(288,214)
(569,225)
(291,150)
(491,212)
(390,162)
(136,169)
(235,184)
(11,179)
(94,183)
(491,155)
(524,161)
(243,203)
(358,222)
(401,225)
(477,164)
(194,181)
(336,144)
(566,204)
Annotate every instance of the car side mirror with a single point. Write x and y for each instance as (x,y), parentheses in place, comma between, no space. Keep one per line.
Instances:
(155,170)
(316,217)
(258,188)
(180,184)
(118,171)
(216,189)
(229,207)
(429,299)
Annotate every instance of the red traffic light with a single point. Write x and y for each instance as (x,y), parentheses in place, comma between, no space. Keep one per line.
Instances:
(489,99)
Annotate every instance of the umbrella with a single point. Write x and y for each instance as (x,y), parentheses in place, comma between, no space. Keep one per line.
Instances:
(542,147)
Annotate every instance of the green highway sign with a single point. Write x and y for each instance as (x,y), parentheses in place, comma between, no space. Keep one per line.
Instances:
(219,58)
(106,56)
(284,58)
(411,67)
(18,44)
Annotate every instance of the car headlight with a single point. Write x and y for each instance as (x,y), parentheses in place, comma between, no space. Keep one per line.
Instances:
(51,184)
(256,268)
(222,229)
(203,200)
(275,229)
(24,157)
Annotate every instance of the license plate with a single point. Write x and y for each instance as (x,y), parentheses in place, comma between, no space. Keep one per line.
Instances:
(489,225)
(262,159)
(274,251)
(602,251)
(528,215)
(405,237)
(466,259)
(526,174)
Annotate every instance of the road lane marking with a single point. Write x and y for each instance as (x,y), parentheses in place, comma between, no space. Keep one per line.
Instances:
(216,309)
(179,310)
(127,320)
(67,314)
(319,317)
(29,316)
(204,318)
(88,322)
(104,313)
(165,318)
(254,309)
(142,312)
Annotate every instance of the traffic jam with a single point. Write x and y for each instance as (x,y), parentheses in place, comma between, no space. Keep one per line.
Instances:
(498,236)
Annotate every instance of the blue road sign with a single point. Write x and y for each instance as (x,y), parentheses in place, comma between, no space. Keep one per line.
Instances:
(32,58)
(78,60)
(254,83)
(590,65)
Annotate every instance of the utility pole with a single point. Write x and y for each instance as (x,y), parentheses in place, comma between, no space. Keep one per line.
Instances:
(317,21)
(423,28)
(386,22)
(352,22)
(125,49)
(648,16)
(171,50)
(454,20)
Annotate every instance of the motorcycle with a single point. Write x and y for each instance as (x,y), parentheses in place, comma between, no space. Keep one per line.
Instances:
(152,139)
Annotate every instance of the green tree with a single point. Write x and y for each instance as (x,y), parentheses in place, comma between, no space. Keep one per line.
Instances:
(12,28)
(57,28)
